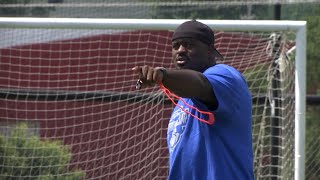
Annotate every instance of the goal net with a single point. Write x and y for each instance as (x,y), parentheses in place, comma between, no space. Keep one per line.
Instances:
(69,107)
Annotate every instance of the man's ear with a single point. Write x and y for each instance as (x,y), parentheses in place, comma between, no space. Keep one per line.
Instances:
(211,53)
(211,50)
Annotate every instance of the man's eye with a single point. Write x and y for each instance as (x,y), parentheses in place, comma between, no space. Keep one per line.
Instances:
(184,44)
(175,46)
(190,45)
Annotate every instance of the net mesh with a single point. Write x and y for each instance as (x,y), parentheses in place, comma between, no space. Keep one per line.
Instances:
(76,87)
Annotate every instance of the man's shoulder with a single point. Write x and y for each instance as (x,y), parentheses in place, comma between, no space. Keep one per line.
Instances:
(220,67)
(226,76)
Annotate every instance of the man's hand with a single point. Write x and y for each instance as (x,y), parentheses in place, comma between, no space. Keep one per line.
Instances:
(149,75)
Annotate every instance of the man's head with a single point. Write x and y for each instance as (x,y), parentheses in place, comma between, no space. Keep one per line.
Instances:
(193,46)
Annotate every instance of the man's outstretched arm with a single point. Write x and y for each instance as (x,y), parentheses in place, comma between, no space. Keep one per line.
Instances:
(184,83)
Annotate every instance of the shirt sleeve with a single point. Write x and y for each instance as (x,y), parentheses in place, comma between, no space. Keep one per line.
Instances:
(224,82)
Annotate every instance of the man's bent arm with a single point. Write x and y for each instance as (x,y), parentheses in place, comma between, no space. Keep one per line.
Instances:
(191,84)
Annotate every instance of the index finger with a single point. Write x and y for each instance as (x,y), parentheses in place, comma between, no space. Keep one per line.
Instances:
(137,69)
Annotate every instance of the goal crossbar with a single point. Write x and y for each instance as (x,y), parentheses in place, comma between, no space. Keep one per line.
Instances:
(226,25)
(149,24)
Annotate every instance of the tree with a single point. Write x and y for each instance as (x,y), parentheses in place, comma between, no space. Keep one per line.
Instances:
(22,11)
(227,11)
(310,13)
(313,56)
(24,156)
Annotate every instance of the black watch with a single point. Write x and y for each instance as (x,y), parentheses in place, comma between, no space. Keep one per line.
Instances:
(164,72)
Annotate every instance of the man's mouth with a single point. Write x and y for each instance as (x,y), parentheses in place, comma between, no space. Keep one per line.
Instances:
(181,62)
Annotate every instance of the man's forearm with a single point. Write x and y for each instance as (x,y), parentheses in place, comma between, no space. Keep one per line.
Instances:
(184,83)
(188,83)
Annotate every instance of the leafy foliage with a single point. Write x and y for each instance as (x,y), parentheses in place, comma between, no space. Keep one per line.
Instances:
(313,55)
(29,157)
(23,11)
(312,143)
(310,13)
(211,12)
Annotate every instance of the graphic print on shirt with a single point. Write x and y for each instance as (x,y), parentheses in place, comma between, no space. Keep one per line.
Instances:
(176,127)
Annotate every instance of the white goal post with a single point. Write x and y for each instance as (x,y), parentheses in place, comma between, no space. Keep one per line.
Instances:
(298,27)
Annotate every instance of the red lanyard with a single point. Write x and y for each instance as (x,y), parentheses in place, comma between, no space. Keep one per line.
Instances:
(169,94)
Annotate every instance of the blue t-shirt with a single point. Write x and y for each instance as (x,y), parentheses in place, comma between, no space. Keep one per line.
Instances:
(222,151)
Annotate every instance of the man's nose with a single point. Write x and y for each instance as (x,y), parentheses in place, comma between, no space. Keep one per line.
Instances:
(182,48)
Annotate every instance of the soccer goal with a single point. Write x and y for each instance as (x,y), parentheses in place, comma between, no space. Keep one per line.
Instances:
(70,82)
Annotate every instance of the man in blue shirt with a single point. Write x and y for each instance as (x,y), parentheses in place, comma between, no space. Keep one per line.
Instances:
(200,150)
